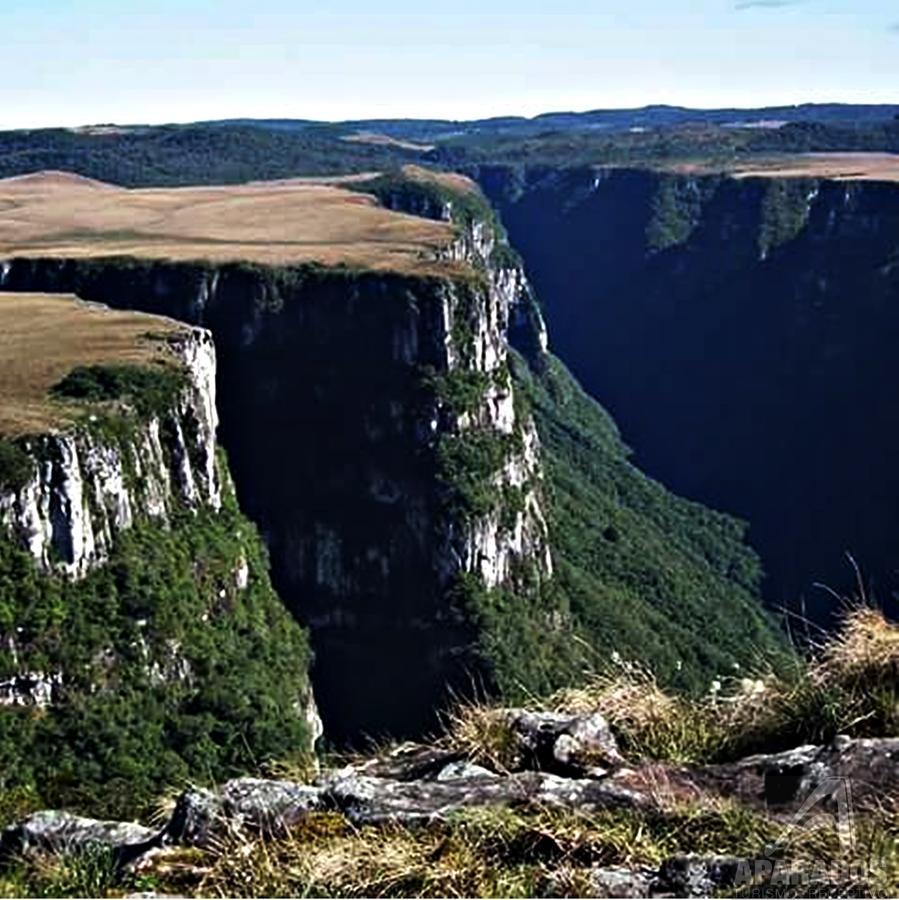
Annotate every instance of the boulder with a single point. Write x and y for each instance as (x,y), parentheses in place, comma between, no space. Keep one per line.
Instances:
(598,882)
(252,804)
(52,831)
(564,744)
(782,782)
(699,876)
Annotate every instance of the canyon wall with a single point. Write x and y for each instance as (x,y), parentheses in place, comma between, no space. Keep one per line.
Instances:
(141,642)
(742,333)
(372,429)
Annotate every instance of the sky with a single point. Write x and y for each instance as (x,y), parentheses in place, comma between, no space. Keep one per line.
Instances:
(76,62)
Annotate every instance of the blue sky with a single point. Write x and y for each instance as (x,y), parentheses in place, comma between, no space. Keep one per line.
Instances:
(75,62)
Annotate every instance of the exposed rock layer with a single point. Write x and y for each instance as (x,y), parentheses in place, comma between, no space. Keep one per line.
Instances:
(340,404)
(88,487)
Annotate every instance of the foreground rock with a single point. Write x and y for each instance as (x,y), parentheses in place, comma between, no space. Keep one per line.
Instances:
(251,804)
(782,782)
(417,785)
(365,800)
(677,876)
(271,807)
(52,831)
(563,744)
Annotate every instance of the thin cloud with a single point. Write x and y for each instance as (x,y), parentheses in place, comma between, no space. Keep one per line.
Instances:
(766,4)
(894,28)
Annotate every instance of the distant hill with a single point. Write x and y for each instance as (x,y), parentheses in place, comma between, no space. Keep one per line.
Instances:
(655,116)
(238,150)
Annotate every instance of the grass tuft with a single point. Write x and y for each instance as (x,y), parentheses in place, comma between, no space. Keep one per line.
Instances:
(850,687)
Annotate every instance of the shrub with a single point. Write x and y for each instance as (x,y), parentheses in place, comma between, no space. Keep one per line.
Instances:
(170,672)
(147,390)
(16,466)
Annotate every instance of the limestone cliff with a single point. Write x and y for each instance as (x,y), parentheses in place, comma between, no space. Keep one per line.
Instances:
(374,436)
(86,489)
(140,638)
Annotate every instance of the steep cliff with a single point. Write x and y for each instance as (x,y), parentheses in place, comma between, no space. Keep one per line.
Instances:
(742,333)
(84,489)
(396,471)
(139,634)
(372,430)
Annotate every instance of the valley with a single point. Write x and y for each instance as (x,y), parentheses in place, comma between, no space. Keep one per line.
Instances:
(309,503)
(417,482)
(449,452)
(740,330)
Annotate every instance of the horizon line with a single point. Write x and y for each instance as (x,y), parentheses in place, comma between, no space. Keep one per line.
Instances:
(161,123)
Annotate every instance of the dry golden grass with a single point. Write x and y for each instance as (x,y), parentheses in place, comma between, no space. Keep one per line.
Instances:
(484,735)
(850,686)
(833,166)
(865,649)
(450,180)
(56,214)
(44,336)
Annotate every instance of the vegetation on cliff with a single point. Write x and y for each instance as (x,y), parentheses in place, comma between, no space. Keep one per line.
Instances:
(140,636)
(174,661)
(147,391)
(727,357)
(644,574)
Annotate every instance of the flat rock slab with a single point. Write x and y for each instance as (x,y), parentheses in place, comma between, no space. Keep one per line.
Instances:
(52,831)
(366,800)
(254,804)
(782,782)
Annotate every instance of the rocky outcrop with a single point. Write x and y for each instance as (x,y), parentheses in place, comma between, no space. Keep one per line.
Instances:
(372,430)
(87,486)
(561,743)
(420,786)
(62,833)
(421,783)
(782,782)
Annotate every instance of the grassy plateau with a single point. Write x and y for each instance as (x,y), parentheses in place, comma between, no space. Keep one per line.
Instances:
(57,214)
(44,336)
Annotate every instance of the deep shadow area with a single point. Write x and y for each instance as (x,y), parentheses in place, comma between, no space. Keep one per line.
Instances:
(749,357)
(324,403)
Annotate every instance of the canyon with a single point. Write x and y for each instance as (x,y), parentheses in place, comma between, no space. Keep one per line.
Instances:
(437,495)
(259,491)
(741,332)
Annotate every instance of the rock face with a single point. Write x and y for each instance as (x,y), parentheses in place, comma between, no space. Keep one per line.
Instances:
(727,325)
(373,433)
(418,783)
(87,489)
(136,605)
(783,781)
(60,832)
